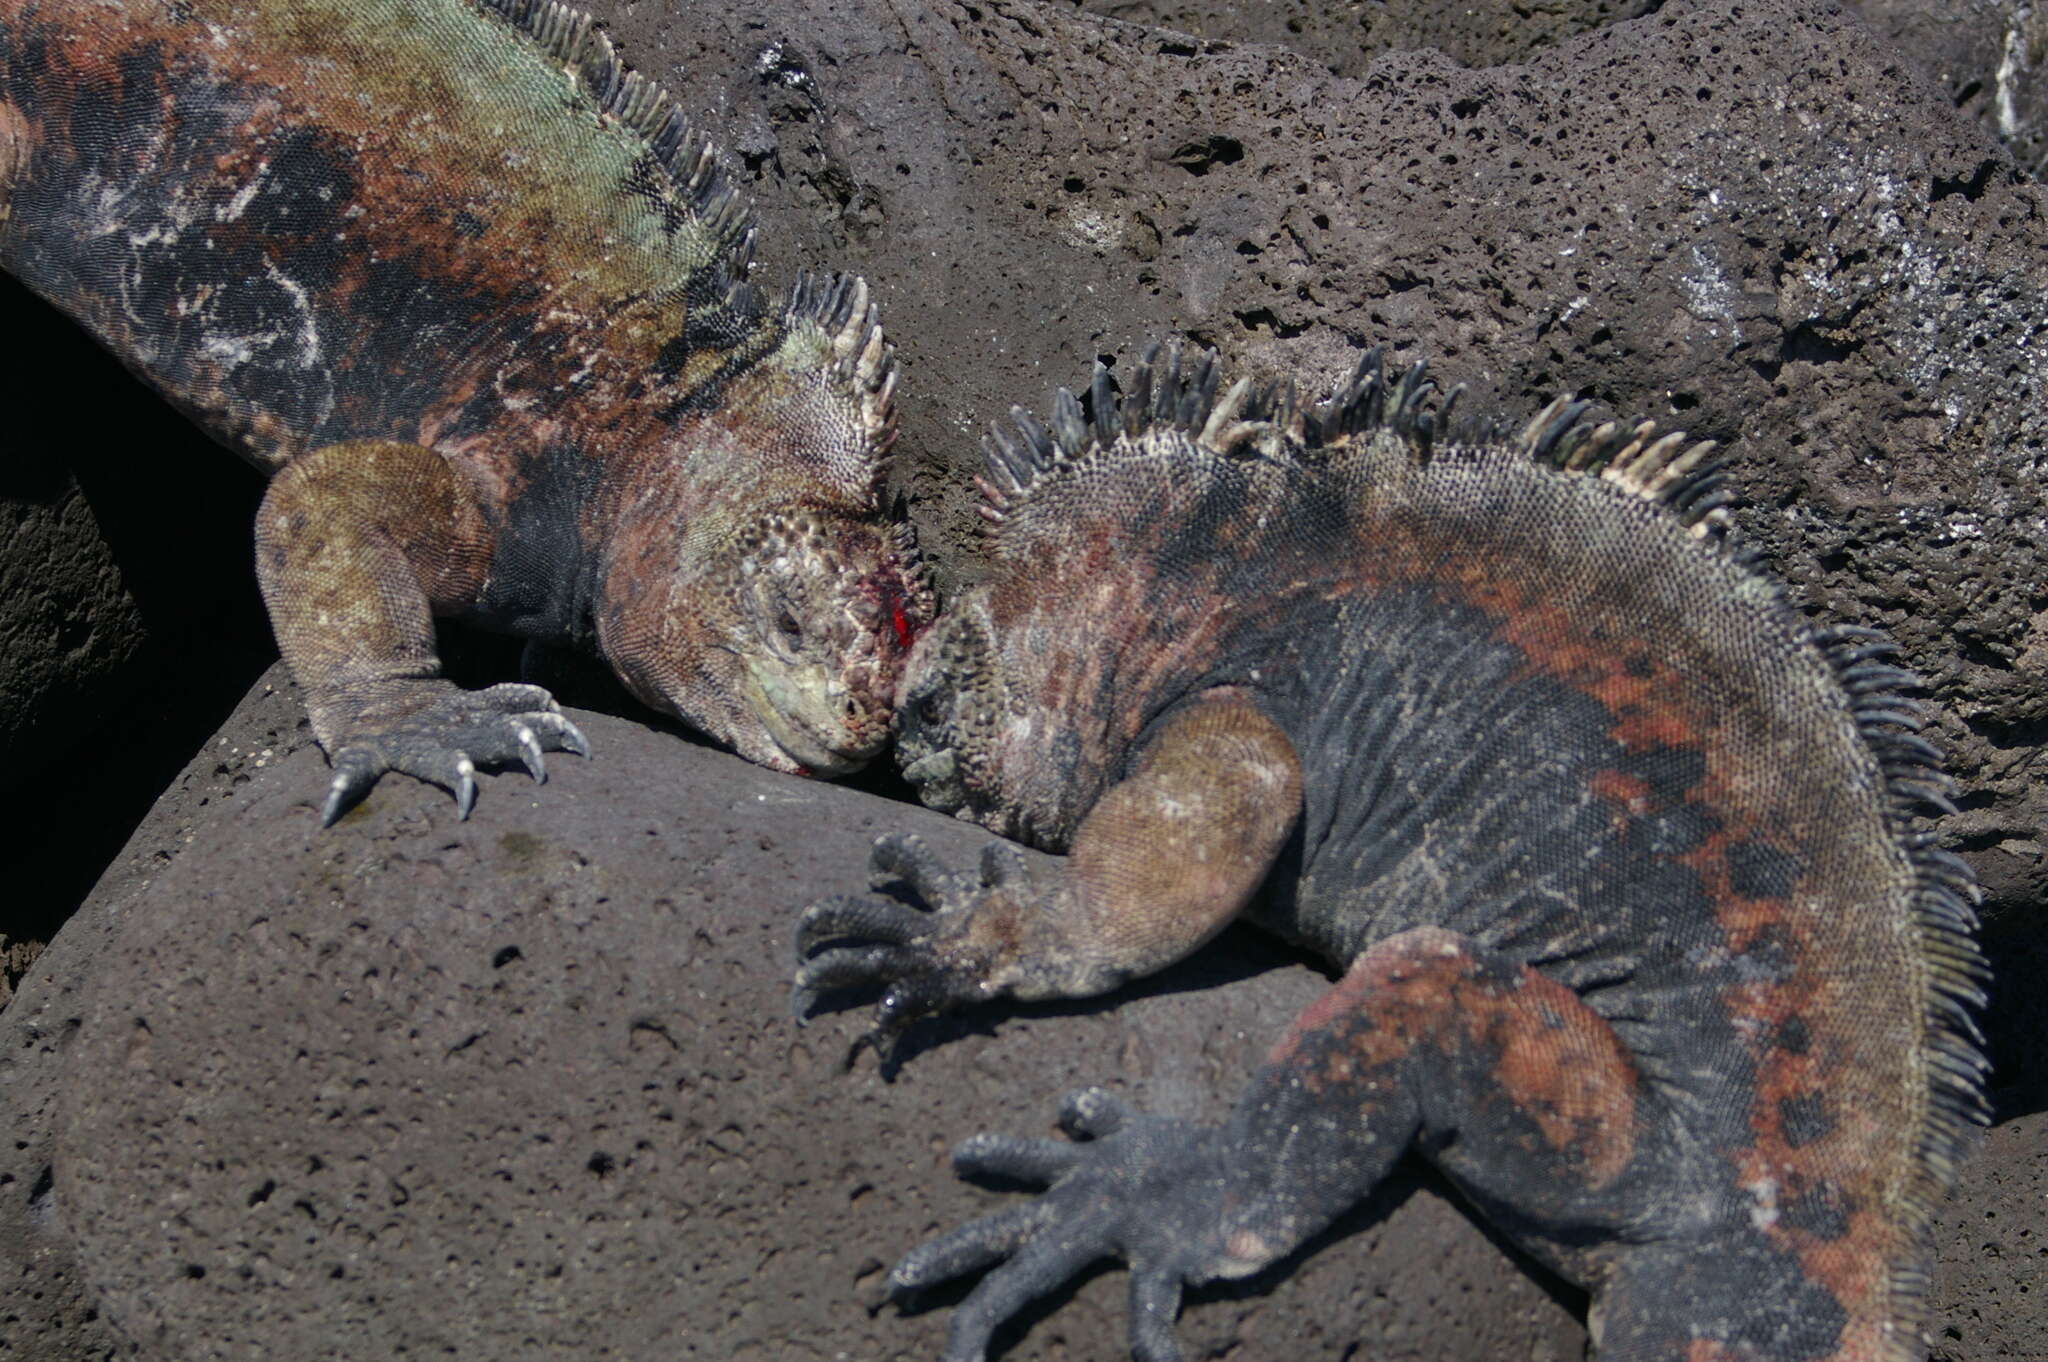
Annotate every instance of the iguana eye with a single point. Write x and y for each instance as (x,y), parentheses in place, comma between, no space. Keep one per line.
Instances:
(786,625)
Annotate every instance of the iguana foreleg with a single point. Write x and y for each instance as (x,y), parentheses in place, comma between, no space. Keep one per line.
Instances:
(1159,865)
(358,547)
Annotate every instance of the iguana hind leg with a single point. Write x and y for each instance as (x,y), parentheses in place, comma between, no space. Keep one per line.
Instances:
(1533,1104)
(358,547)
(1504,1076)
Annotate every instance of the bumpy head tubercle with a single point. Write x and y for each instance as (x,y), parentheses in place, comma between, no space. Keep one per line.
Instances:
(826,608)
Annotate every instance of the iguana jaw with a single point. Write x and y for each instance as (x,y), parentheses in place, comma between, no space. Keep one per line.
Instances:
(797,708)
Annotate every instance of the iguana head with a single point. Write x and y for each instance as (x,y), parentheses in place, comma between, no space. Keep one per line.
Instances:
(784,639)
(951,700)
(982,728)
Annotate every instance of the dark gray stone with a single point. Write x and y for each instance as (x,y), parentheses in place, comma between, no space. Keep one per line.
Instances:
(65,618)
(1986,56)
(1992,1250)
(526,1087)
(1990,57)
(47,1312)
(1346,38)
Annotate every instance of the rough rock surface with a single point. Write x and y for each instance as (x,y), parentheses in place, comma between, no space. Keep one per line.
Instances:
(1760,218)
(1346,38)
(526,1086)
(1990,57)
(1992,1250)
(46,1309)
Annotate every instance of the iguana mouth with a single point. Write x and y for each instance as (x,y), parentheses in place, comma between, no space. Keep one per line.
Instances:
(813,758)
(937,778)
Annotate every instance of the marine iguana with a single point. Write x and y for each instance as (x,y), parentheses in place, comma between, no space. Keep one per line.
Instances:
(475,297)
(1642,944)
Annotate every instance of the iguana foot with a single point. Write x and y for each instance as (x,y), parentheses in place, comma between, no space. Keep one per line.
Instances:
(927,959)
(1143,1188)
(442,734)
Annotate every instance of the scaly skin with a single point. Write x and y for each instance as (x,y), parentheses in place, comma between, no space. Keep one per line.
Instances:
(1641,946)
(475,297)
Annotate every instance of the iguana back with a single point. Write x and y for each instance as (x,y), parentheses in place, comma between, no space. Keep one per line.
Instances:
(353,217)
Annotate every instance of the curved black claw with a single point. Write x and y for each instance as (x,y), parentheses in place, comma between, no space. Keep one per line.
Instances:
(925,992)
(446,737)
(1143,1188)
(920,957)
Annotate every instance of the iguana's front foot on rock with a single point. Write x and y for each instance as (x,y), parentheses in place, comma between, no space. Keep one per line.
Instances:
(927,960)
(1142,1188)
(438,732)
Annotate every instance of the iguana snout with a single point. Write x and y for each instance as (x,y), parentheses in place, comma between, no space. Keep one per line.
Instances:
(814,720)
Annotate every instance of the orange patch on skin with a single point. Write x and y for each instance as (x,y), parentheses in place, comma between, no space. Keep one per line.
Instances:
(1630,682)
(1631,793)
(1708,1350)
(1854,1268)
(1639,687)
(1562,1066)
(1630,796)
(1554,1060)
(1740,918)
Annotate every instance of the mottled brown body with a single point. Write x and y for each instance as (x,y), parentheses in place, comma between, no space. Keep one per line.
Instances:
(1641,947)
(463,228)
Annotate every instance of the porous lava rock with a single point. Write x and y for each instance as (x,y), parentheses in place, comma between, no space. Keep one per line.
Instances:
(527,1087)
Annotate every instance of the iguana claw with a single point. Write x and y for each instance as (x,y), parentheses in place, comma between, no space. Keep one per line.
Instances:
(1128,1185)
(444,740)
(920,956)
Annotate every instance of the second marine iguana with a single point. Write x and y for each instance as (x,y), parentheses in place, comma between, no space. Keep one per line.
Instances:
(1641,944)
(475,297)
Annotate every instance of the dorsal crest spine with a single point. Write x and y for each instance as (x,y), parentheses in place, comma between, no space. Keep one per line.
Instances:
(1173,391)
(862,363)
(692,185)
(1661,466)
